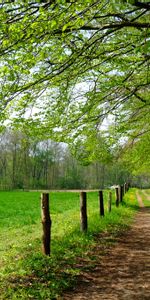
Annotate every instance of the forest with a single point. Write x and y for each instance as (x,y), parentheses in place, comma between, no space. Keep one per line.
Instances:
(28,163)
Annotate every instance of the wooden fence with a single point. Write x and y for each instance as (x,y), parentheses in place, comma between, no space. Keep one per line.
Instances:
(46,217)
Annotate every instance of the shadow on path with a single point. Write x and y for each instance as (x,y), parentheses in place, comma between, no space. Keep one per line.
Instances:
(124,272)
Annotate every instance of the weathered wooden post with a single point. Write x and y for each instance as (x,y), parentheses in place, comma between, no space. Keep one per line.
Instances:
(121,193)
(109,201)
(124,188)
(101,203)
(117,197)
(46,223)
(127,186)
(83,211)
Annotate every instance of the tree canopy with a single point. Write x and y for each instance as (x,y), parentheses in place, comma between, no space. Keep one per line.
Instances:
(69,67)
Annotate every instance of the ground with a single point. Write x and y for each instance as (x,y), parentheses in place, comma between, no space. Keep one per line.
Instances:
(123,271)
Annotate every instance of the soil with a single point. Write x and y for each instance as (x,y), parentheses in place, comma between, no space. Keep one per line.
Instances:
(123,271)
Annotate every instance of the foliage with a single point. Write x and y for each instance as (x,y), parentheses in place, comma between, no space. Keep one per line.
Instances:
(136,157)
(25,272)
(78,64)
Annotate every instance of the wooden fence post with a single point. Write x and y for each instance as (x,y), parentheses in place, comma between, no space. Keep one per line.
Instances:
(121,193)
(101,203)
(124,188)
(127,186)
(109,201)
(117,197)
(83,211)
(46,223)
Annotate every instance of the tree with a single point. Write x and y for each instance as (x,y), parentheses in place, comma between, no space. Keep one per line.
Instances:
(77,63)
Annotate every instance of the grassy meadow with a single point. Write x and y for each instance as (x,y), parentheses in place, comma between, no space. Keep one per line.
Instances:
(24,272)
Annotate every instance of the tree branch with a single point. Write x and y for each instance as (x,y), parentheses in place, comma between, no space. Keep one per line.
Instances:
(140,4)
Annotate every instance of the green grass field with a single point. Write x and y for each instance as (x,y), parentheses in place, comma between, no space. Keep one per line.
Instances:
(24,272)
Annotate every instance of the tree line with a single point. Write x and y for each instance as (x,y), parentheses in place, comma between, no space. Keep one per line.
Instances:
(31,163)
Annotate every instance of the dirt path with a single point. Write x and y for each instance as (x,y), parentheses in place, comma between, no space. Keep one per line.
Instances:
(139,198)
(146,195)
(124,272)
